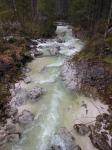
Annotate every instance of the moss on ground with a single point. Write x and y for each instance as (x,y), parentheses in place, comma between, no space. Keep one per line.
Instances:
(12,57)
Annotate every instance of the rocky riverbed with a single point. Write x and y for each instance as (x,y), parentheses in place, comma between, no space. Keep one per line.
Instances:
(93,80)
(56,116)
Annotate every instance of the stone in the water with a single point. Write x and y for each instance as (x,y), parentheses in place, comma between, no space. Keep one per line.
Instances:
(55,148)
(43,69)
(11,128)
(54,50)
(11,111)
(70,27)
(35,93)
(25,117)
(71,47)
(27,80)
(99,142)
(38,53)
(81,128)
(68,138)
(20,101)
(28,70)
(59,40)
(13,137)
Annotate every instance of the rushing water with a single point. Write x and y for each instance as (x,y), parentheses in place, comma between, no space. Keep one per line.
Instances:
(59,107)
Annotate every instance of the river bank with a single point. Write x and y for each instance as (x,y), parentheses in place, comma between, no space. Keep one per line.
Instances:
(88,75)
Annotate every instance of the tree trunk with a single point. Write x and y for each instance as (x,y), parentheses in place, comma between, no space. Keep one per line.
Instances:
(14,4)
(98,16)
(108,21)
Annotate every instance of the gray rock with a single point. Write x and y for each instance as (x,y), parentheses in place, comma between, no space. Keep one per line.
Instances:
(12,86)
(13,137)
(38,53)
(11,128)
(71,47)
(2,125)
(20,101)
(3,136)
(13,104)
(57,46)
(13,93)
(35,93)
(69,139)
(81,128)
(11,111)
(54,50)
(25,117)
(60,40)
(70,27)
(43,69)
(77,147)
(54,147)
(28,70)
(20,90)
(79,34)
(27,80)
(25,70)
(32,55)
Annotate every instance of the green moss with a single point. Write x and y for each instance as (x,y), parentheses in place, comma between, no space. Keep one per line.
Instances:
(108,59)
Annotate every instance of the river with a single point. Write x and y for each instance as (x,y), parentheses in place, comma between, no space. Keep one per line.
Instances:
(59,106)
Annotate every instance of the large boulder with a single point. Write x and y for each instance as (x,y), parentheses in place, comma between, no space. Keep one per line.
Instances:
(11,111)
(54,50)
(25,117)
(81,129)
(11,128)
(20,101)
(13,137)
(35,93)
(99,141)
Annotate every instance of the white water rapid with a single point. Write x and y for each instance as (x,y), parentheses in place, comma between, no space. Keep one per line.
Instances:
(59,107)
